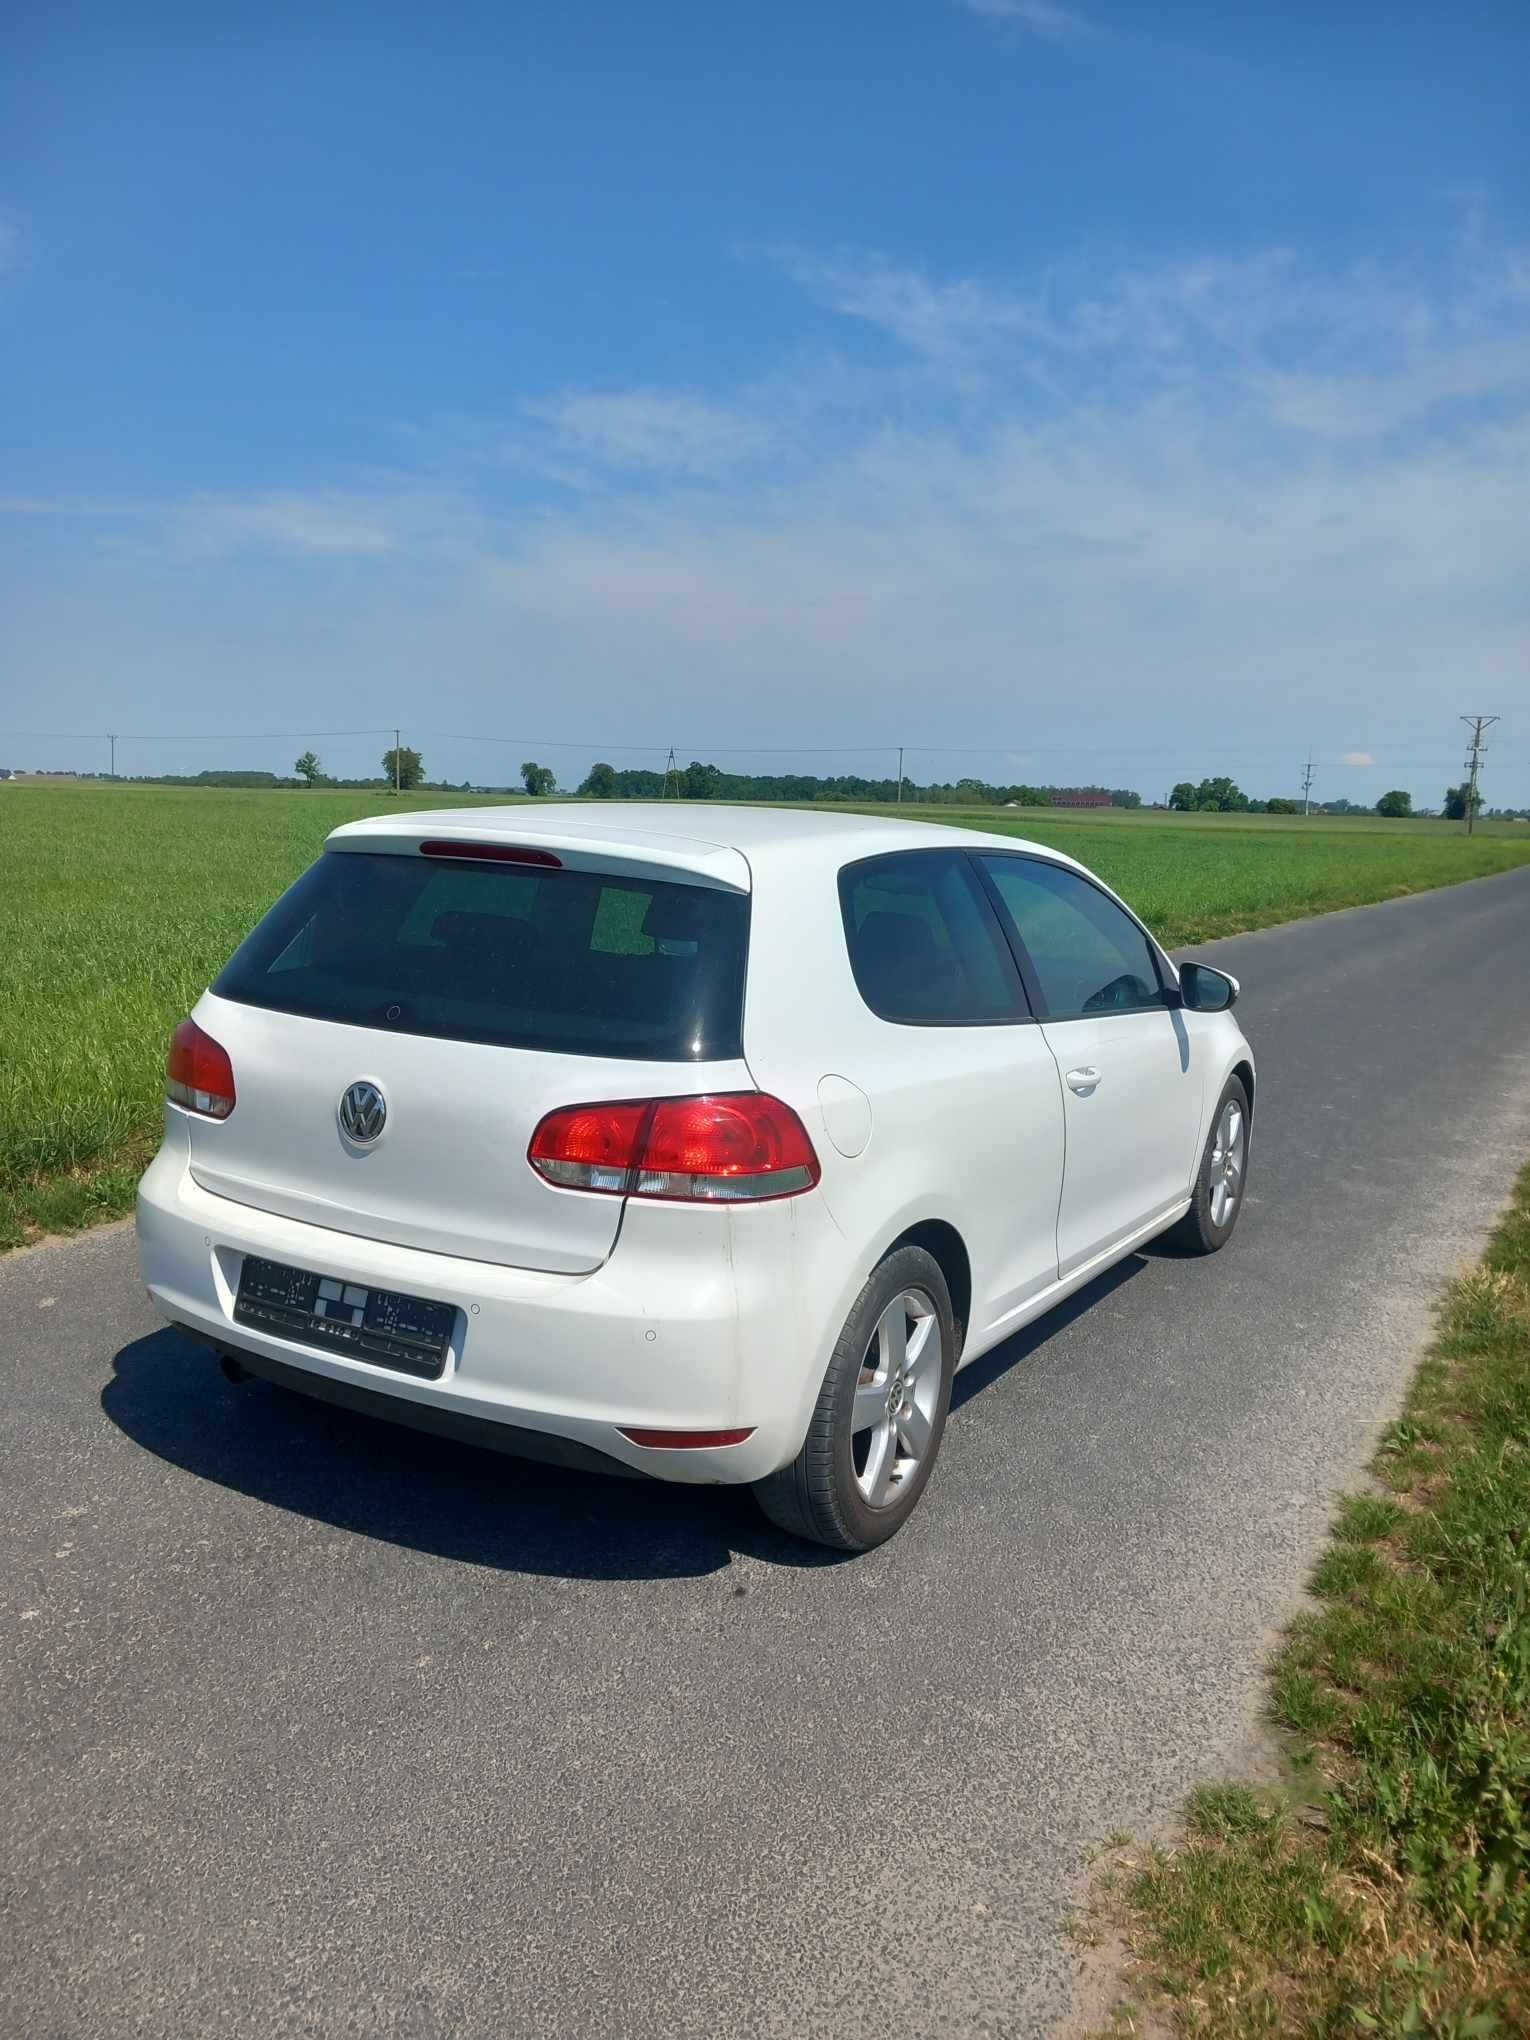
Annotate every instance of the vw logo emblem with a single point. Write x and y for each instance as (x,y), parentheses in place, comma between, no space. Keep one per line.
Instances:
(363,1113)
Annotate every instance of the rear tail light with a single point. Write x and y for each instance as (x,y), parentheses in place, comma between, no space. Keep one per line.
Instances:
(198,1073)
(730,1148)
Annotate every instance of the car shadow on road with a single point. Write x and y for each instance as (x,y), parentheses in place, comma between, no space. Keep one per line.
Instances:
(435,1495)
(382,1480)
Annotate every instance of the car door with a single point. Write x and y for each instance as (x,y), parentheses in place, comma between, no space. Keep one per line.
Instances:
(1131,1087)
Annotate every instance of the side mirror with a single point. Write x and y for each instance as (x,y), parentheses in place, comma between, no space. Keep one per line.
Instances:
(1204,990)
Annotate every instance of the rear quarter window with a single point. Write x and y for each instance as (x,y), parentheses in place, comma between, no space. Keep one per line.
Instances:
(925,947)
(580,963)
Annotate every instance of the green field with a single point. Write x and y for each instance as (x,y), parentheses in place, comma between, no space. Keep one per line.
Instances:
(118,904)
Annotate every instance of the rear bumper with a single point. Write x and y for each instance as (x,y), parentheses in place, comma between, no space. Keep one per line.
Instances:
(701,1320)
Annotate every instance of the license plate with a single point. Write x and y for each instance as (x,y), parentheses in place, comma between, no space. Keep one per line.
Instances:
(407,1333)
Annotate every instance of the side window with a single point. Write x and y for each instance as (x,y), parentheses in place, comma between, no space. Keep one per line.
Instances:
(1088,955)
(925,945)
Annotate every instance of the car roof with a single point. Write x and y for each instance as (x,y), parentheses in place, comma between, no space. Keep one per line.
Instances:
(760,834)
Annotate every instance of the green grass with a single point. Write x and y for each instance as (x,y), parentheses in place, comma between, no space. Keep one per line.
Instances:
(120,903)
(1396,1899)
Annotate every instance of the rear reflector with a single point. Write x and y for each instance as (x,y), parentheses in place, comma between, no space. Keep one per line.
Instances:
(493,853)
(685,1441)
(198,1073)
(731,1147)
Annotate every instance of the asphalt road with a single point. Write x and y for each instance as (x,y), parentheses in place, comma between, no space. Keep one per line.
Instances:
(311,1727)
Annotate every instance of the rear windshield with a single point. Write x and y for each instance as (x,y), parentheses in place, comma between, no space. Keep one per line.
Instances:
(571,961)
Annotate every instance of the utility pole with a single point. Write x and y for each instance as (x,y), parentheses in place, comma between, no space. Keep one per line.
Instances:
(1479,723)
(398,767)
(672,765)
(111,738)
(900,775)
(1307,787)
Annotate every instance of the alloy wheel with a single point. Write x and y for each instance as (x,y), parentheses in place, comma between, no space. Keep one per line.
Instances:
(1226,1167)
(893,1417)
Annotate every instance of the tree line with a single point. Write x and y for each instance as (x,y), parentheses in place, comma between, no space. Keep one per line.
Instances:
(1224,796)
(702,781)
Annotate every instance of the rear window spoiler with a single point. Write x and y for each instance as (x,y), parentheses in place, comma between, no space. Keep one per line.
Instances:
(637,854)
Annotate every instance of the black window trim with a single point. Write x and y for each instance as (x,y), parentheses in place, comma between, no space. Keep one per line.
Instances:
(1026,1013)
(1169,1000)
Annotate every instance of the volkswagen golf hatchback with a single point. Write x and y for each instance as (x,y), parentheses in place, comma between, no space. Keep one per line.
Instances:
(688,1141)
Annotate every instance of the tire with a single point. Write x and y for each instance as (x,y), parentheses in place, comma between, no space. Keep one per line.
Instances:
(852,1486)
(1208,1225)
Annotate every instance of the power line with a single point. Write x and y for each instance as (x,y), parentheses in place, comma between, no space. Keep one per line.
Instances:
(660,750)
(185,737)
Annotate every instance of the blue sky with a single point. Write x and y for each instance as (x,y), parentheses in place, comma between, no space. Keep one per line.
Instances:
(1117,392)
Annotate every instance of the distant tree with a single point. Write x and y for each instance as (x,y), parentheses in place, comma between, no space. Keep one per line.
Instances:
(403,767)
(1396,804)
(700,782)
(1456,797)
(1122,796)
(1212,796)
(1028,796)
(601,782)
(537,779)
(308,768)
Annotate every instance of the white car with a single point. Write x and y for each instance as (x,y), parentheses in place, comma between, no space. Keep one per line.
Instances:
(683,1140)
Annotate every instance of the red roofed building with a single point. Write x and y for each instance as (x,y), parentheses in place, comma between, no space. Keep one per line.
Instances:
(1075,797)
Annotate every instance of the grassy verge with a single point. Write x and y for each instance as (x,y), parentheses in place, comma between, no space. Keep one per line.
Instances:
(1386,1889)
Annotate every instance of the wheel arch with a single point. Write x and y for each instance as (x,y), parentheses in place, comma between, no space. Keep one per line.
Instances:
(946,1247)
(1244,1070)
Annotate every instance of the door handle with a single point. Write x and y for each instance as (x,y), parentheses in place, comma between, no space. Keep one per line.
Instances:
(1082,1081)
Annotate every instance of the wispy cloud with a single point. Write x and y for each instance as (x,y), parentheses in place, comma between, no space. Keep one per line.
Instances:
(1351,352)
(1042,16)
(653,431)
(398,521)
(1360,406)
(323,523)
(951,324)
(1358,758)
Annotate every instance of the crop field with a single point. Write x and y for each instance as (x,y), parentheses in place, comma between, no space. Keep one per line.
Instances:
(119,904)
